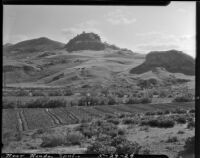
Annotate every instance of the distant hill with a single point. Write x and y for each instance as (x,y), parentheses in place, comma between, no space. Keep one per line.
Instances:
(173,61)
(34,45)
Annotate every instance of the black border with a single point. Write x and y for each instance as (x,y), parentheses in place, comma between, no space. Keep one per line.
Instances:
(197,82)
(86,2)
(125,2)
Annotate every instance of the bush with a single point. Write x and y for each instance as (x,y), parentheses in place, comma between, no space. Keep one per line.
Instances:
(159,113)
(179,111)
(166,112)
(74,138)
(52,141)
(161,122)
(183,98)
(128,147)
(100,148)
(143,100)
(133,101)
(172,139)
(37,93)
(67,92)
(118,145)
(149,113)
(111,101)
(191,124)
(192,111)
(181,120)
(55,93)
(114,121)
(45,103)
(163,94)
(9,104)
(189,145)
(21,93)
(121,132)
(128,121)
(180,132)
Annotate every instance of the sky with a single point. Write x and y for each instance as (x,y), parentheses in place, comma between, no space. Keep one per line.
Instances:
(139,28)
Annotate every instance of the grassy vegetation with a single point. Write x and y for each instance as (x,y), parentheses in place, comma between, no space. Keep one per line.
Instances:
(143,100)
(172,139)
(161,122)
(38,103)
(128,121)
(53,140)
(184,98)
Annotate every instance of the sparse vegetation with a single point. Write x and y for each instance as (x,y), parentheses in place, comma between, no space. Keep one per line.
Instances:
(143,100)
(119,145)
(172,139)
(191,124)
(161,122)
(37,103)
(181,119)
(128,121)
(184,98)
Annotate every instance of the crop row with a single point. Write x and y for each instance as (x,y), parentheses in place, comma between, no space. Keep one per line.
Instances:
(34,118)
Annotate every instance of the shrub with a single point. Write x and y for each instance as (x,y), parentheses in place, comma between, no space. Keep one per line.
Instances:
(111,101)
(180,132)
(100,148)
(145,100)
(67,92)
(124,146)
(56,103)
(74,138)
(128,147)
(121,132)
(192,111)
(145,151)
(133,101)
(179,111)
(37,93)
(183,98)
(9,104)
(163,94)
(128,121)
(189,145)
(161,122)
(55,93)
(122,115)
(52,140)
(159,113)
(21,92)
(114,121)
(166,112)
(46,103)
(191,124)
(149,113)
(181,120)
(172,139)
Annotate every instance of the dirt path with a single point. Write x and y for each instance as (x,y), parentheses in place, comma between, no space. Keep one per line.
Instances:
(24,122)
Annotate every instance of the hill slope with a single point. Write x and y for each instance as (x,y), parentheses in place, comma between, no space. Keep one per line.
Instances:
(34,45)
(173,61)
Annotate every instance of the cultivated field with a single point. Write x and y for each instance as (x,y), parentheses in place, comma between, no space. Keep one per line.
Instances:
(146,128)
(34,118)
